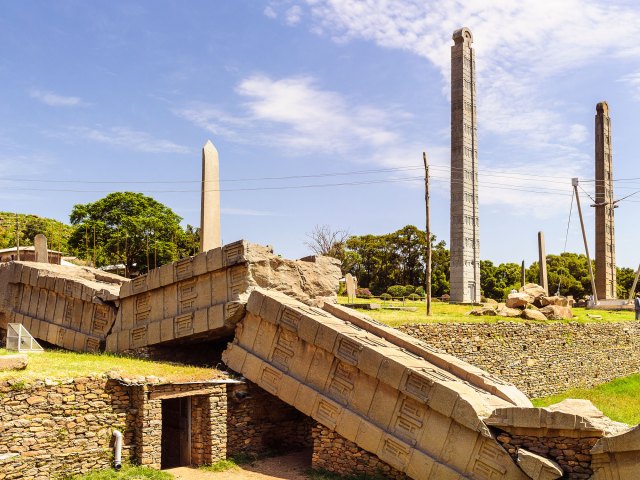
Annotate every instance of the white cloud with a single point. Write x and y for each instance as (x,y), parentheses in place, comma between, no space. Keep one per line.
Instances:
(293,15)
(126,138)
(270,12)
(55,100)
(296,115)
(633,80)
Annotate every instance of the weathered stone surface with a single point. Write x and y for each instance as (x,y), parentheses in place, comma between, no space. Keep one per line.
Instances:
(617,456)
(210,237)
(71,307)
(537,467)
(204,296)
(556,312)
(369,390)
(42,251)
(554,300)
(519,300)
(484,311)
(533,290)
(13,362)
(508,312)
(530,314)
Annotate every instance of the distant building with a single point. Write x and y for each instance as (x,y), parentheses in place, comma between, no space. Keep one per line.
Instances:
(28,254)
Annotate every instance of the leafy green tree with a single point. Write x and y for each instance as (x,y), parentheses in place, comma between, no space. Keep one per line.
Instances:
(130,228)
(29,226)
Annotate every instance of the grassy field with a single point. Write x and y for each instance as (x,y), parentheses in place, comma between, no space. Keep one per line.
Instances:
(442,312)
(618,400)
(127,473)
(61,364)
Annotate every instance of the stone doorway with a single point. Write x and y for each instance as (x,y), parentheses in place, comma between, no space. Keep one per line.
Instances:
(176,432)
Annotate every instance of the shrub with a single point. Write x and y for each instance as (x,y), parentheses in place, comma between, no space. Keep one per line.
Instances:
(414,297)
(385,296)
(363,293)
(446,297)
(396,291)
(408,290)
(420,291)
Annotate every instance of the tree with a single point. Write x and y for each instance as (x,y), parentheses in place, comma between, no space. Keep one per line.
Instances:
(325,241)
(130,228)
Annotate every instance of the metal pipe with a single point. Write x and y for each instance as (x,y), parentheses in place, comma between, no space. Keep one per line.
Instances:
(117,450)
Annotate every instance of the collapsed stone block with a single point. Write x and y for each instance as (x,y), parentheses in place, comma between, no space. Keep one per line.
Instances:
(13,362)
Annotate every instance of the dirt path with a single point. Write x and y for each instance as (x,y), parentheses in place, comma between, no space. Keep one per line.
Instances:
(286,467)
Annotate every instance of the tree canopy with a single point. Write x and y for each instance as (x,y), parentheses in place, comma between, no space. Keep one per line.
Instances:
(130,229)
(29,226)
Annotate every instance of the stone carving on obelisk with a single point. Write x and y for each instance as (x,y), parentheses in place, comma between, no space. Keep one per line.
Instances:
(465,232)
(604,206)
(210,205)
(41,248)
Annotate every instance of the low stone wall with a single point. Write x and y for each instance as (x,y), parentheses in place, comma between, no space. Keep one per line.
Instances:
(541,359)
(334,453)
(55,428)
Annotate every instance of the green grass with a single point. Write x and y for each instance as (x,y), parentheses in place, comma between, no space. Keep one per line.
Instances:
(60,364)
(442,312)
(127,473)
(220,466)
(618,400)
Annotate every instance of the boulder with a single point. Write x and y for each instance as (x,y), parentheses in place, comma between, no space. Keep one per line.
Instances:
(530,314)
(554,300)
(13,362)
(508,312)
(538,467)
(533,290)
(483,311)
(519,300)
(490,302)
(556,312)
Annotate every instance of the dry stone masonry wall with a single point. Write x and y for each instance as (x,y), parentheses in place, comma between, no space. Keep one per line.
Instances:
(541,359)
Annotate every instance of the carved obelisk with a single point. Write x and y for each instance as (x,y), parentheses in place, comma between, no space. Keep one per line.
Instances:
(210,206)
(465,232)
(543,280)
(604,206)
(41,248)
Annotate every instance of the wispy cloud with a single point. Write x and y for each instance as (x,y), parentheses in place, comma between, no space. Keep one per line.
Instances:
(125,138)
(633,81)
(293,15)
(297,115)
(56,100)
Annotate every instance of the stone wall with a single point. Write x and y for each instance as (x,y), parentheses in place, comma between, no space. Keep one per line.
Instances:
(573,455)
(541,359)
(60,427)
(334,453)
(260,423)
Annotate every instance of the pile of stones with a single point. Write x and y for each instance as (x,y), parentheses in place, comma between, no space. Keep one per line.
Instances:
(530,303)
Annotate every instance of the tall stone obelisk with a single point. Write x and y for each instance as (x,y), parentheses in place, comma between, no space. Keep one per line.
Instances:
(210,206)
(465,231)
(605,232)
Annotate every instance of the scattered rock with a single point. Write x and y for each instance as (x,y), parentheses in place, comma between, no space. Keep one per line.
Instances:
(556,312)
(509,312)
(483,311)
(13,362)
(554,300)
(530,314)
(533,290)
(537,467)
(519,300)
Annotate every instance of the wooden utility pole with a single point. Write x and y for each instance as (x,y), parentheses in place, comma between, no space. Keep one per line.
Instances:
(523,274)
(574,182)
(148,262)
(428,262)
(86,242)
(635,283)
(94,246)
(18,235)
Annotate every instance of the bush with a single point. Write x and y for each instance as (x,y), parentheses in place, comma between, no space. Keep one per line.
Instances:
(408,290)
(420,291)
(396,291)
(414,297)
(385,296)
(363,293)
(446,297)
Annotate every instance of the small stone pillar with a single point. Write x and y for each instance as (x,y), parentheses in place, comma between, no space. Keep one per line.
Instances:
(42,251)
(542,260)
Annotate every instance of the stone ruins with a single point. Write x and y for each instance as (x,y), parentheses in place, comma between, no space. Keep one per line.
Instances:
(465,230)
(301,362)
(604,207)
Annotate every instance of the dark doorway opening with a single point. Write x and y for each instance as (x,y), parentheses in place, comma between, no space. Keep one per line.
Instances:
(176,432)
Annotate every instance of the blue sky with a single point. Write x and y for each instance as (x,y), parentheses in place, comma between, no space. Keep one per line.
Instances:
(128,92)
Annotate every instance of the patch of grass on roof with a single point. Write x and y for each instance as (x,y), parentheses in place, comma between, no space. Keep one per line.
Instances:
(61,364)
